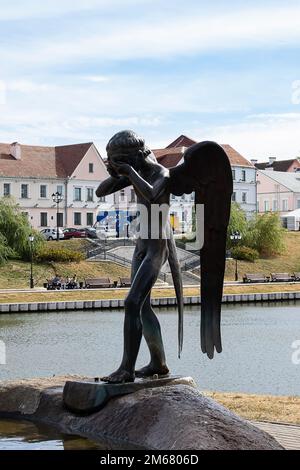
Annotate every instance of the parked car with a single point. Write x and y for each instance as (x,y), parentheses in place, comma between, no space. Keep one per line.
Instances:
(51,233)
(74,233)
(90,232)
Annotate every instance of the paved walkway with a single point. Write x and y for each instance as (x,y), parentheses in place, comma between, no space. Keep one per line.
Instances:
(288,435)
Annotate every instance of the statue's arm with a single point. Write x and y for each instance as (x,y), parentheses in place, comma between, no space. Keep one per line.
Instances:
(148,191)
(112,185)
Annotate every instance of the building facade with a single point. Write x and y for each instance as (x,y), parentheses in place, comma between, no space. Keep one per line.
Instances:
(31,174)
(278,191)
(243,173)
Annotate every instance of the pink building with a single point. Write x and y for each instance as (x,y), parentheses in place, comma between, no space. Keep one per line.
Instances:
(278,191)
(31,174)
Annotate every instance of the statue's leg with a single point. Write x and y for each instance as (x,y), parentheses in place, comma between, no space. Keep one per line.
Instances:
(140,288)
(153,337)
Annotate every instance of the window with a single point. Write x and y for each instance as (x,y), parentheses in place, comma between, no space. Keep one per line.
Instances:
(60,219)
(122,195)
(90,218)
(132,195)
(244,197)
(102,199)
(298,204)
(43,219)
(233,175)
(90,194)
(60,189)
(243,175)
(77,194)
(284,204)
(275,205)
(43,190)
(77,218)
(24,191)
(234,196)
(6,189)
(91,167)
(266,206)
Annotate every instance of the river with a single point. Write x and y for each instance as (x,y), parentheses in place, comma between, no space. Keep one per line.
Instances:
(256,358)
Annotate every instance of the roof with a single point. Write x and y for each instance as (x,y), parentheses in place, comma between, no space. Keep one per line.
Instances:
(295,213)
(169,157)
(182,141)
(42,162)
(172,154)
(235,158)
(290,180)
(280,165)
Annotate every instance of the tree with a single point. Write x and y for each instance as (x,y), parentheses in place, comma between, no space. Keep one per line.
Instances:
(265,234)
(238,222)
(15,230)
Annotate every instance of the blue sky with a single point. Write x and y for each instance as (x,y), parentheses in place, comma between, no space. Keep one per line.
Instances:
(74,71)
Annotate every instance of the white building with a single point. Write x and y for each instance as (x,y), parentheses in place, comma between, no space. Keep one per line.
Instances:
(243,173)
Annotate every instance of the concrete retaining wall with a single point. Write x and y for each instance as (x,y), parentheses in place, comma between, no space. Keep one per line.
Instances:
(161,302)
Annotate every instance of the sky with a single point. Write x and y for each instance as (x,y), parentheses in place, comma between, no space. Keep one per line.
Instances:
(81,70)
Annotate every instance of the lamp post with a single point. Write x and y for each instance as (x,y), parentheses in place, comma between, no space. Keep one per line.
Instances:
(31,240)
(235,237)
(57,198)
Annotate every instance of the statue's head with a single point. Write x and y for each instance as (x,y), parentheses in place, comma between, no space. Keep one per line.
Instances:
(127,147)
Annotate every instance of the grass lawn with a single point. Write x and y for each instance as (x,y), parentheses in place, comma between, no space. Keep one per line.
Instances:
(72,295)
(15,274)
(289,261)
(282,409)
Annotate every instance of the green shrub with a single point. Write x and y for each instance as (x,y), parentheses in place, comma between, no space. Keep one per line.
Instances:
(15,228)
(59,255)
(245,253)
(265,234)
(5,250)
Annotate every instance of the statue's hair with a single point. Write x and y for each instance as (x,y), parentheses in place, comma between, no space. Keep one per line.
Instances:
(127,141)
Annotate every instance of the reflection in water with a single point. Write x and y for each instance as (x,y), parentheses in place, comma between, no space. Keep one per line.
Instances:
(24,435)
(256,358)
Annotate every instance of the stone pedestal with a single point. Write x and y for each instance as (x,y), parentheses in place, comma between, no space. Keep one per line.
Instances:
(87,397)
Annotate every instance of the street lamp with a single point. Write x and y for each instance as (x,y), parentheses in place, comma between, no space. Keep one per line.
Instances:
(31,240)
(57,198)
(235,237)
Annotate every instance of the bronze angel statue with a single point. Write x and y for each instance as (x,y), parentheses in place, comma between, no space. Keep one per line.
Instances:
(206,171)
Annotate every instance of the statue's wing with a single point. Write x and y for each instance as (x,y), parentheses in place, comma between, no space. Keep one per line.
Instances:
(207,171)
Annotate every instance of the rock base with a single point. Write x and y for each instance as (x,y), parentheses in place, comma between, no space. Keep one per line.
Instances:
(173,417)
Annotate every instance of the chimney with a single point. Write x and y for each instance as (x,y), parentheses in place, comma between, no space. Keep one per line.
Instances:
(253,161)
(272,160)
(15,150)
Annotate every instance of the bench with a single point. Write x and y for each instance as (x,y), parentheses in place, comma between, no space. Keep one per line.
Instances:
(125,281)
(98,282)
(296,276)
(255,277)
(53,285)
(281,277)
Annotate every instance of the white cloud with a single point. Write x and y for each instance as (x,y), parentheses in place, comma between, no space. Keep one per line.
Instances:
(18,9)
(27,86)
(170,37)
(260,136)
(96,78)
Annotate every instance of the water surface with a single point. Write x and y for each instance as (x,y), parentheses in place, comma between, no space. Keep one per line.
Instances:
(256,358)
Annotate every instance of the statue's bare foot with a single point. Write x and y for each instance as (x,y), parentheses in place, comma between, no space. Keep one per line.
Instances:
(118,377)
(150,370)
